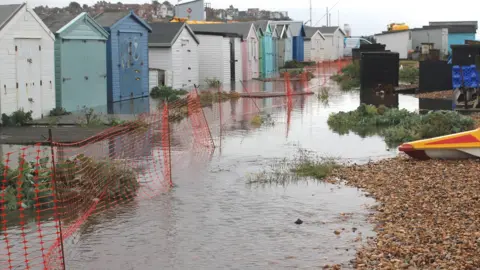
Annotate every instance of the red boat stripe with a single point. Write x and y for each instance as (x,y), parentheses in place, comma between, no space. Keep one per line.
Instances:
(418,154)
(463,139)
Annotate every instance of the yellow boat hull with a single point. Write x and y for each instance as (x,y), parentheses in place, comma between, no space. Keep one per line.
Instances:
(455,146)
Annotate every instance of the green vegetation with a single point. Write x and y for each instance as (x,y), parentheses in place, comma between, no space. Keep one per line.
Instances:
(30,185)
(115,121)
(167,93)
(213,83)
(296,64)
(17,118)
(209,97)
(303,166)
(315,168)
(398,126)
(409,63)
(409,74)
(262,119)
(89,118)
(296,73)
(324,94)
(19,189)
(59,112)
(349,78)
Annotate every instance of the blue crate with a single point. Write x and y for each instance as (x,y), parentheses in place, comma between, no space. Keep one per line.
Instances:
(457,83)
(456,70)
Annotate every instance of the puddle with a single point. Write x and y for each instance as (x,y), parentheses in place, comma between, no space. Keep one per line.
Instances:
(213,219)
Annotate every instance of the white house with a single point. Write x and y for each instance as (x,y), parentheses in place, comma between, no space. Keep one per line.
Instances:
(313,44)
(432,34)
(27,62)
(173,49)
(220,53)
(334,40)
(396,41)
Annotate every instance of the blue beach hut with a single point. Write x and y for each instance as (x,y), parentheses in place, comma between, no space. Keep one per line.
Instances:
(127,54)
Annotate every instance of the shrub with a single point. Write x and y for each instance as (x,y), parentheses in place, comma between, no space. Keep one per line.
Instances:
(213,83)
(398,126)
(409,74)
(89,117)
(22,182)
(17,118)
(349,78)
(296,64)
(209,97)
(167,93)
(297,73)
(59,112)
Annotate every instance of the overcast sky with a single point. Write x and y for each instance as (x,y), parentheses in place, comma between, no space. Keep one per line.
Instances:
(365,17)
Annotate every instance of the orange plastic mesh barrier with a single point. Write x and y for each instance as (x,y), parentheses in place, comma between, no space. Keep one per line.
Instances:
(49,190)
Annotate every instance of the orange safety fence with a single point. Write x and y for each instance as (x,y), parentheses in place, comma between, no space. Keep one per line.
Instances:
(50,189)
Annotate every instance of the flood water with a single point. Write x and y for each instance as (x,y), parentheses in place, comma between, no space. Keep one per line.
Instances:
(214,219)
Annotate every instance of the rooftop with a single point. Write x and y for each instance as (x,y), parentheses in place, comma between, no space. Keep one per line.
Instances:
(165,34)
(240,29)
(7,12)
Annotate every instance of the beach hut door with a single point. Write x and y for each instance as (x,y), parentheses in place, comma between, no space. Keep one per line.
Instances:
(232,59)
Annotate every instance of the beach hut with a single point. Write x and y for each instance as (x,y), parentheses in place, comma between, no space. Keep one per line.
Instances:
(265,49)
(335,40)
(298,33)
(219,52)
(26,61)
(249,47)
(313,44)
(127,54)
(80,61)
(275,40)
(284,44)
(173,49)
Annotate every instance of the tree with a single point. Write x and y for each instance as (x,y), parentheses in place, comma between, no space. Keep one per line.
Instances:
(168,4)
(85,7)
(74,6)
(155,3)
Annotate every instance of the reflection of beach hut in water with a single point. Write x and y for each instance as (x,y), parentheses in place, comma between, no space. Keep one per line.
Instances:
(80,61)
(127,55)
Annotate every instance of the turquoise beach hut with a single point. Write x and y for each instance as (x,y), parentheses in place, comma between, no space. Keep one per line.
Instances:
(80,61)
(265,49)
